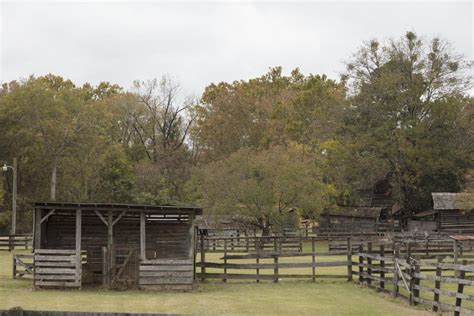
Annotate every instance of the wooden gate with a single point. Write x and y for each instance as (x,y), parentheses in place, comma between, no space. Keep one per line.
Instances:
(120,269)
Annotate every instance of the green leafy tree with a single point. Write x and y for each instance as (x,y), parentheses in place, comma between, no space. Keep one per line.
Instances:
(407,111)
(263,185)
(116,182)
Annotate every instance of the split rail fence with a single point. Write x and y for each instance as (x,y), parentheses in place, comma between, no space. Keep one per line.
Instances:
(10,242)
(270,258)
(445,286)
(250,244)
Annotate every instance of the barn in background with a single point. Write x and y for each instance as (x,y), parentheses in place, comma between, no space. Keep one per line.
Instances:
(114,245)
(454,212)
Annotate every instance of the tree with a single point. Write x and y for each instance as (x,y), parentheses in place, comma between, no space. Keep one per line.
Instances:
(58,132)
(270,110)
(116,182)
(263,185)
(160,123)
(407,110)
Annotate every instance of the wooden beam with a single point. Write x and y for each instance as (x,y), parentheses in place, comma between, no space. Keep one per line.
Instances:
(119,217)
(78,246)
(101,218)
(47,215)
(142,236)
(110,241)
(37,244)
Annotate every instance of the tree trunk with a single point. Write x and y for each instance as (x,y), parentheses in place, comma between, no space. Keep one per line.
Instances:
(53,179)
(265,231)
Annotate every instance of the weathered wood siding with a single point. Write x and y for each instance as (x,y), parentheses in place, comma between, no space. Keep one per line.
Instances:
(174,274)
(342,223)
(457,222)
(56,268)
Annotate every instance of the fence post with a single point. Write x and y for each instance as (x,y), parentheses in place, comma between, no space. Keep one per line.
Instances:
(258,270)
(313,249)
(382,267)
(14,266)
(203,259)
(349,259)
(11,240)
(275,260)
(437,284)
(369,264)
(396,255)
(412,264)
(462,275)
(361,262)
(416,290)
(225,261)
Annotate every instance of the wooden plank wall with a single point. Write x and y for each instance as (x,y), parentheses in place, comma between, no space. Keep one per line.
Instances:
(338,223)
(166,238)
(170,274)
(456,222)
(56,268)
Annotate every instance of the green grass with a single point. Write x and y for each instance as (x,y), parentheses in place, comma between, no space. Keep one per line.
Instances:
(289,297)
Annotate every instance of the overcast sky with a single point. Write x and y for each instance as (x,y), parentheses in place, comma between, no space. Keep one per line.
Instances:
(203,42)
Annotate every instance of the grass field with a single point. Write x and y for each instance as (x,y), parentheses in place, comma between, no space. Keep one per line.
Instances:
(290,297)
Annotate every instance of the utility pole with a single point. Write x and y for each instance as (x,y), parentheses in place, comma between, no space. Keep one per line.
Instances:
(15,169)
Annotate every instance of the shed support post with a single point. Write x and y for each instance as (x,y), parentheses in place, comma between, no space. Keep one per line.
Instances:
(142,237)
(78,247)
(110,252)
(37,227)
(349,259)
(203,259)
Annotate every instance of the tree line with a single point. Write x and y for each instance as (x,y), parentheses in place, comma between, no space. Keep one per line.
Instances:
(261,148)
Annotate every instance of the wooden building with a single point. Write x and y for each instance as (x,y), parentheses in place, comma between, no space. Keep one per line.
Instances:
(454,212)
(350,220)
(114,245)
(225,226)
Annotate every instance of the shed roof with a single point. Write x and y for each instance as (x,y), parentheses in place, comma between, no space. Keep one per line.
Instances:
(462,237)
(160,209)
(452,201)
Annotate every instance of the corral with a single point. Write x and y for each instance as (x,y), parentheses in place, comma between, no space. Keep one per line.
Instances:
(136,246)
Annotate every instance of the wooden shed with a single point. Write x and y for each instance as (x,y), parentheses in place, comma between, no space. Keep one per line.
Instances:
(114,245)
(455,212)
(225,226)
(350,219)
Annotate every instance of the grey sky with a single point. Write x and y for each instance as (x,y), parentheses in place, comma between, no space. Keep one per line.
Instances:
(203,42)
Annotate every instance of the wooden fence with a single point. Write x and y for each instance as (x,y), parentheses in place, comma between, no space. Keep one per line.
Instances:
(409,277)
(250,244)
(9,242)
(22,265)
(265,263)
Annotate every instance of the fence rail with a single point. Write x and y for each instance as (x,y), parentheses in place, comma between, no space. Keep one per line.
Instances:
(415,278)
(9,242)
(265,262)
(251,244)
